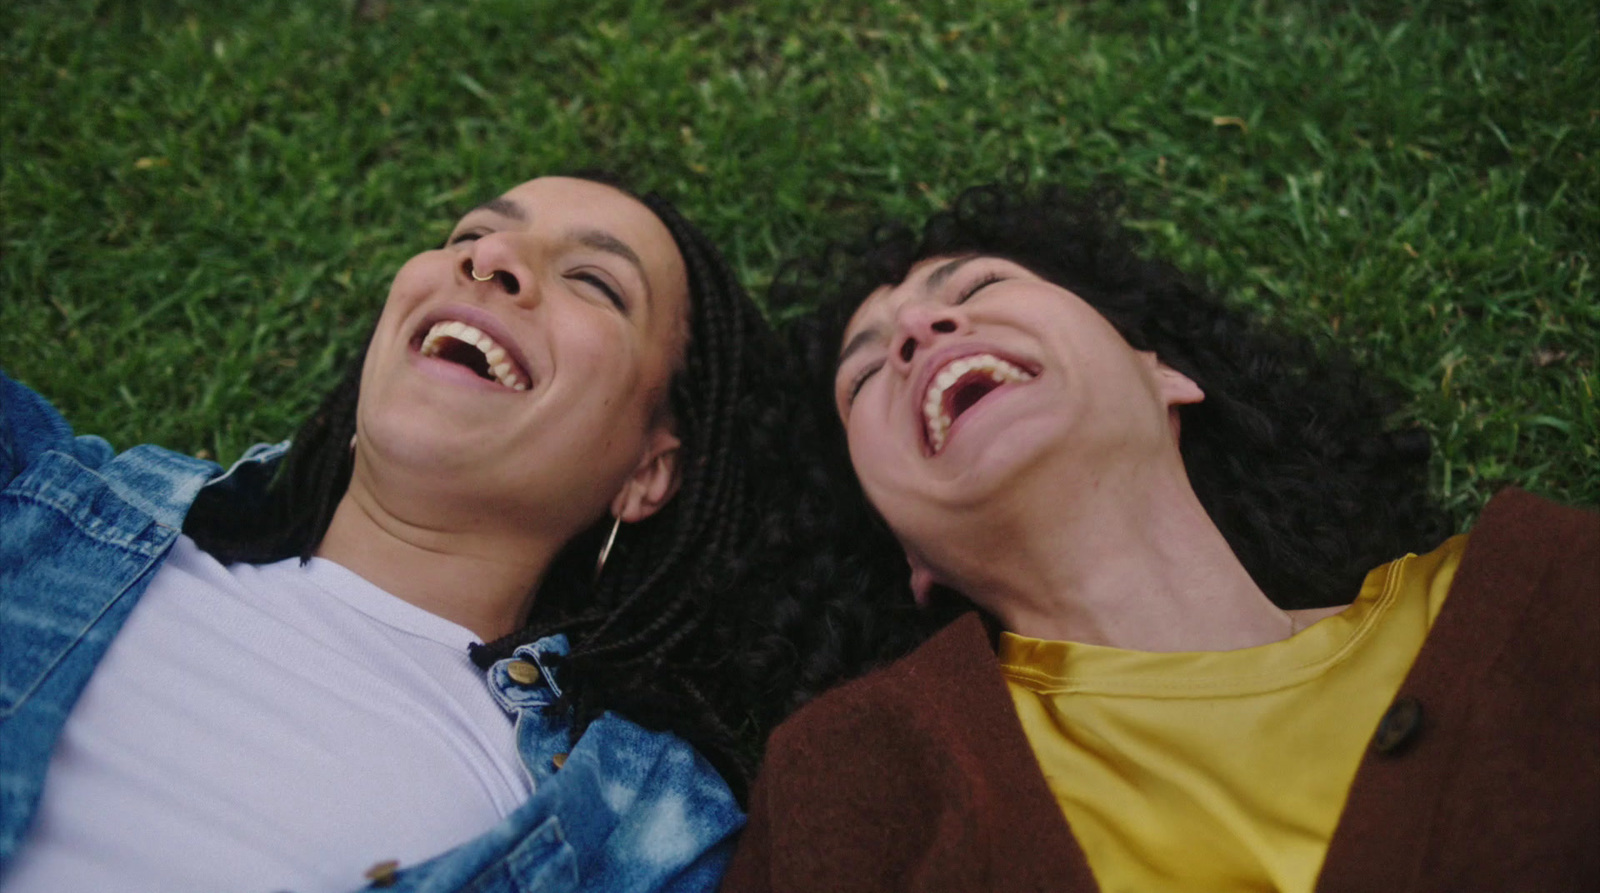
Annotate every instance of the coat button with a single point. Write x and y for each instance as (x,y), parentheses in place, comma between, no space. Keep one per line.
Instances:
(522,672)
(385,873)
(1399,726)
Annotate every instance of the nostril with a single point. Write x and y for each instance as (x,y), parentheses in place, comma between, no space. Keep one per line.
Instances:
(908,349)
(508,282)
(945,326)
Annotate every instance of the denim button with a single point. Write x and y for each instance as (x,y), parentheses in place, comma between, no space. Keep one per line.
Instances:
(559,760)
(522,672)
(384,874)
(1399,726)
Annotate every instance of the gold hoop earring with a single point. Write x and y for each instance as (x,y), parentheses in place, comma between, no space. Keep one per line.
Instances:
(605,551)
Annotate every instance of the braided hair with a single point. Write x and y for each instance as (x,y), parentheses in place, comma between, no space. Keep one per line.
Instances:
(657,635)
(1291,453)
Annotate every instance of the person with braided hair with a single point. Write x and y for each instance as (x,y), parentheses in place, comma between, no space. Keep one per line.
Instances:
(1211,641)
(540,474)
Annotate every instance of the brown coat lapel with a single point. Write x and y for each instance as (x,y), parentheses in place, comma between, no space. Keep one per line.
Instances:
(1498,786)
(919,777)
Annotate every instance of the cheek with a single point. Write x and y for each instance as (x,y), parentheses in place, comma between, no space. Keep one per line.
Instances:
(874,464)
(414,277)
(389,338)
(596,346)
(612,381)
(413,283)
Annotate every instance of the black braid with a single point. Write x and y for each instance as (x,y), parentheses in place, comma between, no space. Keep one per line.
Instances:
(659,595)
(655,636)
(298,507)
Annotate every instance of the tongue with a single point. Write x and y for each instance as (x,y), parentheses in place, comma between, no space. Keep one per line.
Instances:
(966,392)
(468,355)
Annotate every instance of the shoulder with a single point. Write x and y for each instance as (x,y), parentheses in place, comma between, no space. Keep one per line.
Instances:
(918,770)
(898,697)
(642,809)
(653,764)
(30,427)
(1524,542)
(1522,603)
(1498,777)
(1515,515)
(905,729)
(53,478)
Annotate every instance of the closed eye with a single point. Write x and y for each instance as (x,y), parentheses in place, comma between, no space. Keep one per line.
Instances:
(605,288)
(980,284)
(468,236)
(861,379)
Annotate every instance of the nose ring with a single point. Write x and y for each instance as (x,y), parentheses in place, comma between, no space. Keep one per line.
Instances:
(473,272)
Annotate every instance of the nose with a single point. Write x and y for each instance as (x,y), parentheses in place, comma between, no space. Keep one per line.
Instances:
(918,325)
(492,260)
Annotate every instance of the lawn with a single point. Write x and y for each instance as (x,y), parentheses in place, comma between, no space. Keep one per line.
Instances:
(203,201)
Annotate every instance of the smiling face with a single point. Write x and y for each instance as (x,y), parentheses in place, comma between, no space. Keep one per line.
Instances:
(976,380)
(522,370)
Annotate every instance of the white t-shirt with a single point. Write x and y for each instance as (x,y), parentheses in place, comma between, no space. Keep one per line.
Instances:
(272,727)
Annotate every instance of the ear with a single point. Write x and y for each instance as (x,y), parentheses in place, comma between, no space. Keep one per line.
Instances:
(654,480)
(921,580)
(1176,388)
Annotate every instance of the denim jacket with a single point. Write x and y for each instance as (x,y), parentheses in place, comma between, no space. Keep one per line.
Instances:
(82,532)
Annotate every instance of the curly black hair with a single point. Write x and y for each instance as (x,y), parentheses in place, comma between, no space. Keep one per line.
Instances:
(1291,453)
(662,636)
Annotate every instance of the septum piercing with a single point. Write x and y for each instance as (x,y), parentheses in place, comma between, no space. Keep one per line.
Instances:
(472,271)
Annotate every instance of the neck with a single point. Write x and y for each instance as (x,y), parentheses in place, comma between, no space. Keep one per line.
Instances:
(483,580)
(1131,562)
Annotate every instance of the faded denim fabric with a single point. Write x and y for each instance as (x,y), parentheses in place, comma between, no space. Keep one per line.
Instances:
(82,532)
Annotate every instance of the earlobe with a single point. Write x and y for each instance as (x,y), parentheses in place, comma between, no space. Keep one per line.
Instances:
(921,581)
(654,480)
(1176,388)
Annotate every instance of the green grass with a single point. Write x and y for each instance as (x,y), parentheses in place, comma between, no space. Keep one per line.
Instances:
(202,203)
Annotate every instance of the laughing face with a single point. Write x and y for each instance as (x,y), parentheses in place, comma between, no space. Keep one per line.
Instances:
(975,382)
(520,373)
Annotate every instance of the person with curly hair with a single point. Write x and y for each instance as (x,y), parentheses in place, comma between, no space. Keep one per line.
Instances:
(471,629)
(1217,644)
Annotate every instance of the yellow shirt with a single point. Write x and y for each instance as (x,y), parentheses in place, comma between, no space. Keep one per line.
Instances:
(1222,770)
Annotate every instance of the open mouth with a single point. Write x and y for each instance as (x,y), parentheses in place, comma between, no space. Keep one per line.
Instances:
(464,345)
(958,387)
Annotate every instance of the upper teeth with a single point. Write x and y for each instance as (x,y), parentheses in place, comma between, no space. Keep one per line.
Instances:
(934,416)
(500,364)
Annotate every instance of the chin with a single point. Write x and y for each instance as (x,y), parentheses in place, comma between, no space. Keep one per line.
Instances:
(991,468)
(421,442)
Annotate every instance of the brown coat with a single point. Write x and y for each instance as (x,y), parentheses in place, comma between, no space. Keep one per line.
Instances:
(1484,775)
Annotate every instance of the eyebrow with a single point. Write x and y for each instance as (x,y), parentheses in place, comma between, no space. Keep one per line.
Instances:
(945,271)
(862,339)
(600,240)
(505,207)
(929,285)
